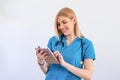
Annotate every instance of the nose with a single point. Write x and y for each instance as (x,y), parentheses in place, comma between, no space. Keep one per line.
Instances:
(61,26)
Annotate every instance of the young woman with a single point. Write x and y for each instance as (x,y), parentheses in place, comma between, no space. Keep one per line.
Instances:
(71,48)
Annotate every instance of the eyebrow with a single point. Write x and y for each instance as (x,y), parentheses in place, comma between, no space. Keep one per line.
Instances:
(62,21)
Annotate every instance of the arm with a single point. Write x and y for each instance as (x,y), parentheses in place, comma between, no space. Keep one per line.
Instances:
(41,56)
(85,73)
(44,66)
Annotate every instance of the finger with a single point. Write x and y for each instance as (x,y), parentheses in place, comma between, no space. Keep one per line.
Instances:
(45,57)
(40,55)
(41,52)
(37,50)
(56,52)
(38,46)
(57,56)
(60,57)
(44,54)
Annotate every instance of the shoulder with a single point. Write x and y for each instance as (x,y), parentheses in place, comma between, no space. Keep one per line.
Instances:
(88,48)
(53,38)
(86,41)
(56,38)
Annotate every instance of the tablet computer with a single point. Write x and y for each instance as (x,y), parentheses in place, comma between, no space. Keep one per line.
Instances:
(51,59)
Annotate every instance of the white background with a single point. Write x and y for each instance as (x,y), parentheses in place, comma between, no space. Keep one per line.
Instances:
(25,24)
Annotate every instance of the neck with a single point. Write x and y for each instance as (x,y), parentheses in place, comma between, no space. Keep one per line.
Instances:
(70,37)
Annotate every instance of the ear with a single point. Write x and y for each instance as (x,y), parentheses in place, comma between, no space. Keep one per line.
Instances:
(74,20)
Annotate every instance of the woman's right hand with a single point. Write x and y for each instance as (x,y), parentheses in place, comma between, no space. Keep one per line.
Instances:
(41,55)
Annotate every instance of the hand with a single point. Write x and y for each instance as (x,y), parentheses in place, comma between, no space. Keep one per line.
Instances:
(59,57)
(41,55)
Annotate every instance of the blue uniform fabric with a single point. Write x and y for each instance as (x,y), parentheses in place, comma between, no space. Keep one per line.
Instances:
(71,54)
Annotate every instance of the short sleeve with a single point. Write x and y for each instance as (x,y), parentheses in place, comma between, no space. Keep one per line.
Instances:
(89,52)
(51,43)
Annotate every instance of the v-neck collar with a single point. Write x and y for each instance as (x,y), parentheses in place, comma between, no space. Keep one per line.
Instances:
(65,42)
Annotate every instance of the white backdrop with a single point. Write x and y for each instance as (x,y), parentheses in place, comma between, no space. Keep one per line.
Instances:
(25,24)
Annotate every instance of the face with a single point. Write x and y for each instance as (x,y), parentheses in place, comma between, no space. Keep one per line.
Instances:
(65,25)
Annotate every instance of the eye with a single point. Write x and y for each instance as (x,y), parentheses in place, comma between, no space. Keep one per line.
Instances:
(64,22)
(58,24)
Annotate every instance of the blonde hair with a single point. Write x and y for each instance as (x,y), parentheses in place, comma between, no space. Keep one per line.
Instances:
(69,13)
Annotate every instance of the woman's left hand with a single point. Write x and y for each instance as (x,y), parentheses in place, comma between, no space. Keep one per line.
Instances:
(59,57)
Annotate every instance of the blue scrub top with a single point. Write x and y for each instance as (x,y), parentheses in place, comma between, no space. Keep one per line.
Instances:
(71,54)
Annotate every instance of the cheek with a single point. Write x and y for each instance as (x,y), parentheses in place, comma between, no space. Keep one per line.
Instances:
(70,24)
(71,27)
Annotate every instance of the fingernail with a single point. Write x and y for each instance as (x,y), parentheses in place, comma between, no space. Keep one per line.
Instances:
(38,46)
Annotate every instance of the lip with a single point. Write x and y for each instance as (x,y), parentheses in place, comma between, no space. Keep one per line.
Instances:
(63,31)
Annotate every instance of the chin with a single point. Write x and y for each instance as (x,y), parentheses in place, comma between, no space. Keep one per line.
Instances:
(66,34)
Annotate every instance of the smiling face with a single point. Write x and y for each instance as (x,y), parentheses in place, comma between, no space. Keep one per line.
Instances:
(65,25)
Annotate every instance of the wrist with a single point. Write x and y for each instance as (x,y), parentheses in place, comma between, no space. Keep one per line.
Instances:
(64,64)
(41,63)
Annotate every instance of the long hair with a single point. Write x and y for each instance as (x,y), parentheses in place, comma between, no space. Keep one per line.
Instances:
(69,13)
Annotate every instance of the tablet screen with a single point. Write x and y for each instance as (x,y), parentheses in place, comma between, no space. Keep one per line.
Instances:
(51,59)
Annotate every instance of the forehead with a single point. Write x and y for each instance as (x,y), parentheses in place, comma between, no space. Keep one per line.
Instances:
(62,18)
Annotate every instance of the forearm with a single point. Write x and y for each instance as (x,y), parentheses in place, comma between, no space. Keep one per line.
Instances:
(44,67)
(82,73)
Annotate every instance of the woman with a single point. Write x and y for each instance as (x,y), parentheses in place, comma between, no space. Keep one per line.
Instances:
(70,48)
